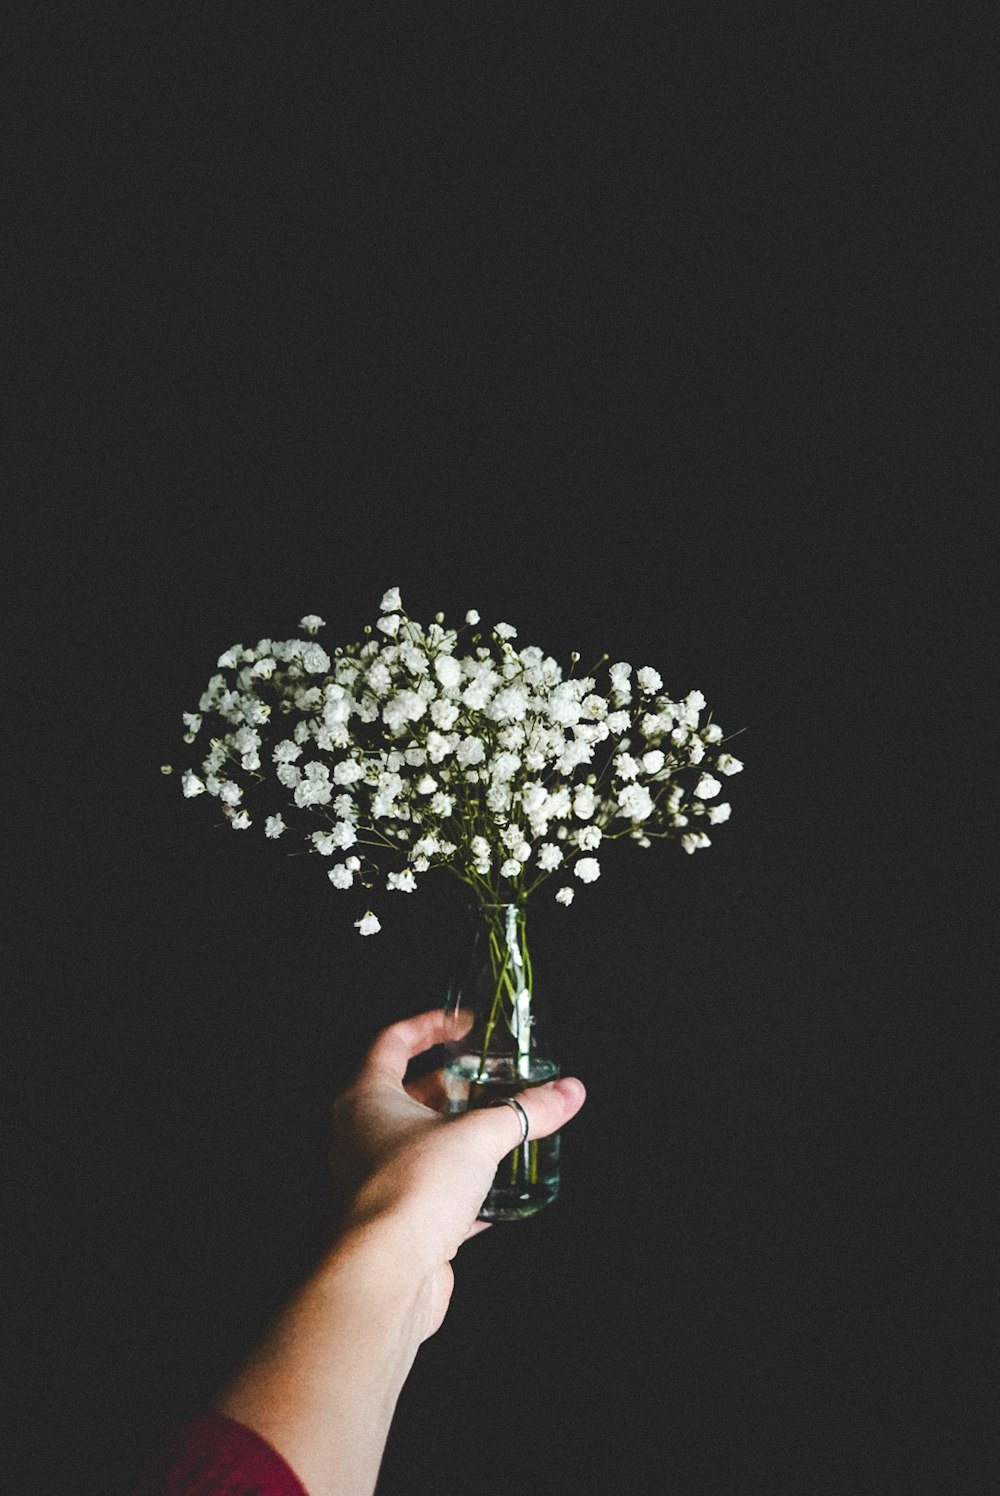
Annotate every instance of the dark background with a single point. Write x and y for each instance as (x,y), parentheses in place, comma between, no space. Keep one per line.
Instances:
(657,335)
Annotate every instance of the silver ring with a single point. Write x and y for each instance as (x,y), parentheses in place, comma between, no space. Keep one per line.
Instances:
(522,1117)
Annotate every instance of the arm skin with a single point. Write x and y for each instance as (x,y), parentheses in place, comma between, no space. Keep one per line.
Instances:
(322,1387)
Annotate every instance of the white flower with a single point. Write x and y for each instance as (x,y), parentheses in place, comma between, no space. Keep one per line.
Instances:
(653,761)
(534,798)
(415,660)
(405,707)
(692,840)
(324,843)
(341,876)
(380,678)
(311,792)
(367,924)
(444,713)
(635,801)
(510,705)
(442,804)
(573,755)
(588,869)
(210,696)
(448,671)
(228,660)
(403,882)
(476,695)
(583,802)
(480,849)
(619,675)
(191,785)
(510,868)
(726,764)
(336,705)
(588,838)
(426,784)
(347,772)
(707,787)
(470,751)
(472,617)
(241,820)
(230,794)
(389,625)
(344,835)
(718,813)
(504,766)
(559,803)
(649,680)
(312,622)
(274,826)
(626,767)
(438,746)
(549,856)
(390,601)
(315,659)
(618,722)
(504,631)
(565,896)
(712,733)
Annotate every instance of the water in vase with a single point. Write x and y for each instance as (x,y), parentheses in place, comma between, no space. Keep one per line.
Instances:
(528,1178)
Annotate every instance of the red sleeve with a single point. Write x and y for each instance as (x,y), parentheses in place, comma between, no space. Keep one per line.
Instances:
(216,1456)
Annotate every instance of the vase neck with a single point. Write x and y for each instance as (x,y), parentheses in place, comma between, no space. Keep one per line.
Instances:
(508,917)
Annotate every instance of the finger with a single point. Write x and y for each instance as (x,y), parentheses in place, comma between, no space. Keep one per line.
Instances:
(476,1228)
(547,1108)
(401,1042)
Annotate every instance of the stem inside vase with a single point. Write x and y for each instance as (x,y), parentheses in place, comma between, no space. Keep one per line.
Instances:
(502,1054)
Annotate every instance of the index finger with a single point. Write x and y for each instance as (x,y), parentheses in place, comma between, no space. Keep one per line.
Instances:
(401,1042)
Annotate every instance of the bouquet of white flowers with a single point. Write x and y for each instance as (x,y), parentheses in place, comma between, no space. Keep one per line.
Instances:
(402,755)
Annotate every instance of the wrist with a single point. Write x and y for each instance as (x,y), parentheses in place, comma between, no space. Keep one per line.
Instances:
(323,1386)
(382,1267)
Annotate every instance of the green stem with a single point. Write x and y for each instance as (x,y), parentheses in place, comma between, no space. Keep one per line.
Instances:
(522,1159)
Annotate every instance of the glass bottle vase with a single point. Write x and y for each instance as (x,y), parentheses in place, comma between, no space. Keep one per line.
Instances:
(499,1043)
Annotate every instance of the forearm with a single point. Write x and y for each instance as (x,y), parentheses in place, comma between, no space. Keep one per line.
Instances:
(322,1388)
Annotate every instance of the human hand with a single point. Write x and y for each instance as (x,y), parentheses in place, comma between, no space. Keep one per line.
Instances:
(415,1176)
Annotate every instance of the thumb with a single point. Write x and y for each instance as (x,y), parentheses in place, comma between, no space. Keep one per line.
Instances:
(547,1108)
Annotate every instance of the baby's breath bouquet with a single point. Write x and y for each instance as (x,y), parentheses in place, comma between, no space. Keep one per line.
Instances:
(433,747)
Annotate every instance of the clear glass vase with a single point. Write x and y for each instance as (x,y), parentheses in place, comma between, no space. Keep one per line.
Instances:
(507,1049)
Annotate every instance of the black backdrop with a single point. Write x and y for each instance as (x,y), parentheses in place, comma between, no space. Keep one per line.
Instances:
(655,336)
